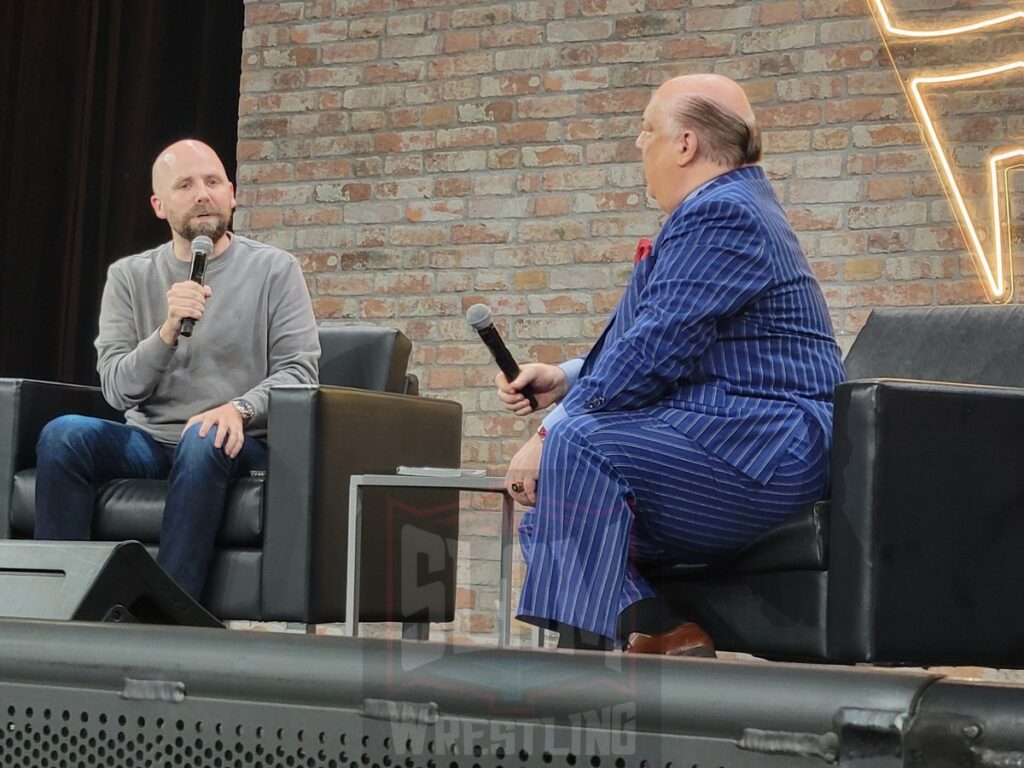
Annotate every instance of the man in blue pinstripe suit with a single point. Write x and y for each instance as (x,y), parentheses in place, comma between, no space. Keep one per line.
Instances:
(702,416)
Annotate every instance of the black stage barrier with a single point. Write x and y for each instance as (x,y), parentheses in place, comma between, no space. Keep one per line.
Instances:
(92,581)
(82,694)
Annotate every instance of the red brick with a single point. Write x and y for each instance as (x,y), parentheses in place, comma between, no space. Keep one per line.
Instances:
(502,159)
(850,57)
(580,130)
(960,292)
(888,189)
(487,16)
(785,141)
(556,205)
(329,308)
(480,233)
(439,114)
(547,106)
(829,9)
(532,132)
(789,115)
(886,215)
(499,37)
(698,19)
(908,294)
(633,101)
(305,217)
(534,157)
(577,30)
(700,46)
(784,38)
(458,186)
(785,12)
(318,33)
(863,269)
(437,210)
(510,85)
(361,50)
(807,88)
(574,80)
(395,72)
(822,218)
(459,66)
(619,52)
(472,136)
(344,284)
(264,219)
(648,25)
(272,13)
(460,42)
(551,231)
(868,108)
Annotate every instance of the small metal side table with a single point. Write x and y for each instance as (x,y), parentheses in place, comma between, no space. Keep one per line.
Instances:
(460,482)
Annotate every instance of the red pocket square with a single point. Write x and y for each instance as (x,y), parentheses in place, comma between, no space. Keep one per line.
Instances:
(643,250)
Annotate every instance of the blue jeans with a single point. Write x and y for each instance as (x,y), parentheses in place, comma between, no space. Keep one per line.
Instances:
(77,453)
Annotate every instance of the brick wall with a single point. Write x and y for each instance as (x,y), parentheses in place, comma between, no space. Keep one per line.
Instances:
(419,156)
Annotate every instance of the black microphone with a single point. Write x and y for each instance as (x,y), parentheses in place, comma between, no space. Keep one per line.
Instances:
(479,316)
(202,247)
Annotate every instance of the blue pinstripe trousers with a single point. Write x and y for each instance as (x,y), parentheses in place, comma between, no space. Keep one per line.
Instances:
(616,488)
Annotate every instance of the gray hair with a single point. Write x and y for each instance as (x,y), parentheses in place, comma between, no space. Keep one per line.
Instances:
(728,139)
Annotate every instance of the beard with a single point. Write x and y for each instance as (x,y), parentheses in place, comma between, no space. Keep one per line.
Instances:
(213,229)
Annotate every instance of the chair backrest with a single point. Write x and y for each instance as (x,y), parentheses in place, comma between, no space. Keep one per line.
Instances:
(980,344)
(364,357)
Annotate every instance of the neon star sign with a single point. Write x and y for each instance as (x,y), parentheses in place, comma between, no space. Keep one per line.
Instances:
(987,232)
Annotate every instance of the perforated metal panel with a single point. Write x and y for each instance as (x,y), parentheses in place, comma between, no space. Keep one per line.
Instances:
(78,694)
(55,728)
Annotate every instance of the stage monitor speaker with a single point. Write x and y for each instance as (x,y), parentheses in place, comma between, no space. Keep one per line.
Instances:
(92,581)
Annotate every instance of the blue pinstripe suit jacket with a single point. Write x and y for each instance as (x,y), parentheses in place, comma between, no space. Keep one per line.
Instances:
(725,326)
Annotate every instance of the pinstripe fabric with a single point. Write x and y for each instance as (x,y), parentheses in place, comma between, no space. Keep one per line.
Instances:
(700,419)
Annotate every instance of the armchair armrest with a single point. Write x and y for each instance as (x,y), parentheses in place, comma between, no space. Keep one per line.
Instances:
(927,523)
(26,406)
(318,437)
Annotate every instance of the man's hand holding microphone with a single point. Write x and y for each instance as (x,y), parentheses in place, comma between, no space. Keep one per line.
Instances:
(547,382)
(525,390)
(549,385)
(187,300)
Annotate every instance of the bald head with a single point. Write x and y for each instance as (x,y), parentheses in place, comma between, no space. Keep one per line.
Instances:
(717,89)
(179,157)
(192,193)
(718,110)
(695,127)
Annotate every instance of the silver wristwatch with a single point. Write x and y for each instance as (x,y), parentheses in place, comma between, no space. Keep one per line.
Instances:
(244,408)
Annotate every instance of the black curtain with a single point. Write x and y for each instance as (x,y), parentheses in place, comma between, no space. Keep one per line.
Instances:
(90,91)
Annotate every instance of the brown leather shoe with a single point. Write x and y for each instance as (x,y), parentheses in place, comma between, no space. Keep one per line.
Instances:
(685,640)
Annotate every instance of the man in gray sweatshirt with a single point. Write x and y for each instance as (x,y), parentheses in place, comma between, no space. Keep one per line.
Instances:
(196,407)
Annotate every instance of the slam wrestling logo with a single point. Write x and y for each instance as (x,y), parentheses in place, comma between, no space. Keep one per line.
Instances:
(445,698)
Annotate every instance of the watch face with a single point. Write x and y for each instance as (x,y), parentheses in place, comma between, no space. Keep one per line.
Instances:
(244,408)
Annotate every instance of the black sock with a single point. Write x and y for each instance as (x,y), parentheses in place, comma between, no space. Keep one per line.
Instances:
(581,640)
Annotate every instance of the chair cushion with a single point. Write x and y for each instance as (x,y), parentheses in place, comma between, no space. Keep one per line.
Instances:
(133,509)
(800,544)
(363,357)
(973,345)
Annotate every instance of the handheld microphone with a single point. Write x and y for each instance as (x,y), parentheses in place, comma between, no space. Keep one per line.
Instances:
(202,246)
(479,316)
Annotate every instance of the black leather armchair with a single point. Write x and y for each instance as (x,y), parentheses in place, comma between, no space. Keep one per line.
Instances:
(916,557)
(281,547)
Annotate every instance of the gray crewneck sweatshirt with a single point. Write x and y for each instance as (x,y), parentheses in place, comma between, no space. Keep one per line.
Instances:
(258,330)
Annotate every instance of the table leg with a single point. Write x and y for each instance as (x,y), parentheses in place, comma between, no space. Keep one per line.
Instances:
(504,618)
(355,515)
